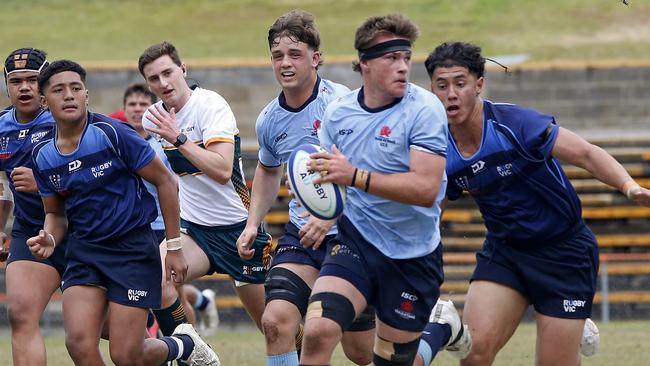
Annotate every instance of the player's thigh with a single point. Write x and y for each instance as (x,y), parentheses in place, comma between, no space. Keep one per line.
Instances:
(558,341)
(197,261)
(127,325)
(29,287)
(343,287)
(492,312)
(84,310)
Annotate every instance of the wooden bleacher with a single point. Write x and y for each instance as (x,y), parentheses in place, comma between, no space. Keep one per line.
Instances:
(622,229)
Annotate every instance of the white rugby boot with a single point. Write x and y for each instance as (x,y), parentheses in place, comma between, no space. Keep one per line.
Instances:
(460,342)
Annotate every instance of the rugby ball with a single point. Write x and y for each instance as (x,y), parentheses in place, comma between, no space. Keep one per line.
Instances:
(325,200)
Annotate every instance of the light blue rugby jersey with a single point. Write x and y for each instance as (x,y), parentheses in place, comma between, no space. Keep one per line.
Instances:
(158,223)
(17,141)
(104,197)
(380,140)
(280,129)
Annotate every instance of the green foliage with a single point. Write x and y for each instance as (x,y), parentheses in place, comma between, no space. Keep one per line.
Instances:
(119,30)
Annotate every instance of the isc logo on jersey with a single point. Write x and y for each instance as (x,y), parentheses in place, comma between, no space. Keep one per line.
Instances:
(325,200)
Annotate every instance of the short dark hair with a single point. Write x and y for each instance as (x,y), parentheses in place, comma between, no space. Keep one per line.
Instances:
(299,26)
(156,51)
(395,24)
(139,88)
(461,54)
(58,67)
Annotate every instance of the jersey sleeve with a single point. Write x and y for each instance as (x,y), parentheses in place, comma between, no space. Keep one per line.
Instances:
(134,151)
(536,131)
(43,184)
(429,129)
(453,192)
(217,123)
(266,155)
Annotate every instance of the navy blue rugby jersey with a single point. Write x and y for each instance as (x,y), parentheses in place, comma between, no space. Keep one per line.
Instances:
(521,190)
(104,197)
(17,140)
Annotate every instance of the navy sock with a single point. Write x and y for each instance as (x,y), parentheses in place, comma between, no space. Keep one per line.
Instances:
(180,346)
(171,317)
(435,336)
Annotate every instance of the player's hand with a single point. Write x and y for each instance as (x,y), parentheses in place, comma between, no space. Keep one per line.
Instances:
(4,249)
(313,233)
(165,122)
(245,242)
(641,196)
(41,245)
(175,266)
(23,179)
(333,166)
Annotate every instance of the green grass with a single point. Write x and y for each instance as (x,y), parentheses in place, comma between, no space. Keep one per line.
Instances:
(622,343)
(119,30)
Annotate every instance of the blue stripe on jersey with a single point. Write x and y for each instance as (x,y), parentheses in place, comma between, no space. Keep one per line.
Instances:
(521,190)
(17,141)
(380,140)
(280,129)
(103,195)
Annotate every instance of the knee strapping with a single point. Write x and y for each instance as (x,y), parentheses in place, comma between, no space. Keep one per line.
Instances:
(282,284)
(365,321)
(332,306)
(387,353)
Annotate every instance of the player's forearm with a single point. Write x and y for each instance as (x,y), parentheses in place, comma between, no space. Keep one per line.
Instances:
(606,169)
(169,206)
(266,185)
(56,224)
(411,188)
(211,163)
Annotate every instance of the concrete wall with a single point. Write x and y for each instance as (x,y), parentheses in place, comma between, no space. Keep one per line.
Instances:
(582,98)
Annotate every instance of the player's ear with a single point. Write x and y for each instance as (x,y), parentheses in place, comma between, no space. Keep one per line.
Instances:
(184,69)
(479,85)
(44,103)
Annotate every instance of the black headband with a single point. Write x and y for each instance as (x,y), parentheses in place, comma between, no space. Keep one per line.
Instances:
(383,48)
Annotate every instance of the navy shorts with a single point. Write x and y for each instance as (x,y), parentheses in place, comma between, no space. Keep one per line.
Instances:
(19,251)
(219,243)
(403,291)
(159,235)
(290,250)
(558,278)
(128,267)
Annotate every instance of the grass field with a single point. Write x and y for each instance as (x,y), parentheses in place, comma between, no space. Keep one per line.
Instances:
(119,30)
(622,343)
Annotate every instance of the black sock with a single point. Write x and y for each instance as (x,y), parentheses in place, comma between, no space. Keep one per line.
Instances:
(169,318)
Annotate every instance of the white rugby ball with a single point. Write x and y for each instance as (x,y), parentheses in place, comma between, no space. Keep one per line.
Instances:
(325,200)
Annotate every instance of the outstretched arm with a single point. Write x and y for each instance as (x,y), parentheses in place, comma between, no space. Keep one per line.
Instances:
(571,148)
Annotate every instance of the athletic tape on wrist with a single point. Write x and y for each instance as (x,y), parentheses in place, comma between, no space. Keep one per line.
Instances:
(174,244)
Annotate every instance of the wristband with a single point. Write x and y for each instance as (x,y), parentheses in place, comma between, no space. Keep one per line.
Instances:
(368,182)
(354,176)
(630,186)
(51,238)
(628,193)
(174,244)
